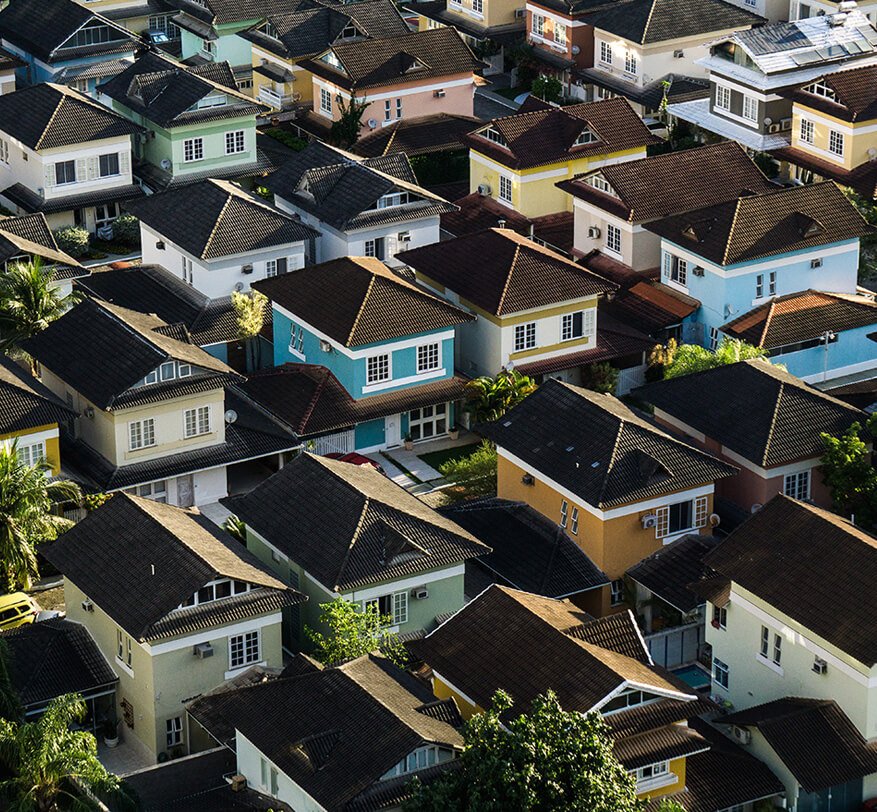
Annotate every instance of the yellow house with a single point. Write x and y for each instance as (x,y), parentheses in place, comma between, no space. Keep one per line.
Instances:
(620,487)
(30,416)
(518,159)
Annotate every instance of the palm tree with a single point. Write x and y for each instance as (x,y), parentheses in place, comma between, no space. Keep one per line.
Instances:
(48,760)
(27,499)
(29,302)
(490,398)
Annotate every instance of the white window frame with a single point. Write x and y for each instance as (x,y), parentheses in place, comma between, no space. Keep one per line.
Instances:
(378,368)
(525,336)
(235,142)
(200,419)
(631,62)
(32,454)
(250,649)
(174,731)
(428,422)
(836,143)
(605,52)
(564,512)
(613,238)
(714,338)
(506,188)
(676,269)
(772,283)
(145,434)
(193,150)
(797,485)
(616,592)
(588,324)
(750,108)
(777,651)
(764,642)
(721,673)
(429,357)
(723,98)
(720,616)
(807,134)
(759,286)
(574,521)
(325,101)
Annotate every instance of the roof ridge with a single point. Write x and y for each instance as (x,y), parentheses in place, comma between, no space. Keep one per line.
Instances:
(612,458)
(362,304)
(773,423)
(228,198)
(354,537)
(730,237)
(508,279)
(318,393)
(648,21)
(771,309)
(49,122)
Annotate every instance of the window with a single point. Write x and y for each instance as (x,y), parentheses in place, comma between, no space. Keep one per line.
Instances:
(560,34)
(193,149)
(765,641)
(835,142)
(32,454)
(574,521)
(157,491)
(243,649)
(538,25)
(428,357)
(613,238)
(564,513)
(296,339)
(399,108)
(807,131)
(174,731)
(494,135)
(4,151)
(723,98)
(235,142)
(750,108)
(616,592)
(681,516)
(478,6)
(65,172)
(124,651)
(626,699)
(109,164)
(721,673)
(388,109)
(428,421)
(197,421)
(92,33)
(759,286)
(577,325)
(215,591)
(772,283)
(675,269)
(720,617)
(505,188)
(601,184)
(797,485)
(141,434)
(820,88)
(276,267)
(714,338)
(188,276)
(105,214)
(525,336)
(325,101)
(630,62)
(420,759)
(393,199)
(605,53)
(777,649)
(651,772)
(377,368)
(393,606)
(375,248)
(208,47)
(162,22)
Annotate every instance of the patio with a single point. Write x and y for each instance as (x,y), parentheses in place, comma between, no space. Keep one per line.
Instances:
(409,469)
(128,756)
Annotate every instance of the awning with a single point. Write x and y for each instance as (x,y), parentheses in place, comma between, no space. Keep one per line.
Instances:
(196,27)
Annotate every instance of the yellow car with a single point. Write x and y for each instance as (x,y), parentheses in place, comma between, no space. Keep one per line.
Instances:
(16,609)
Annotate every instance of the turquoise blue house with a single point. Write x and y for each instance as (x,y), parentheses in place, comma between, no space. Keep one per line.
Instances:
(364,368)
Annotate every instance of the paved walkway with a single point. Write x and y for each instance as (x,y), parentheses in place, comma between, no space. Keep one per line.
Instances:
(411,462)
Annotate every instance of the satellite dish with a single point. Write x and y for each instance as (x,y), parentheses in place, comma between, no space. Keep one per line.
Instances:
(166,164)
(576,50)
(755,508)
(372,123)
(230,416)
(872,153)
(238,287)
(768,121)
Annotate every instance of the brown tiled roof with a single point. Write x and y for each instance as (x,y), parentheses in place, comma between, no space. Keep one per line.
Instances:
(827,566)
(502,272)
(862,178)
(673,183)
(764,225)
(421,135)
(369,304)
(652,305)
(801,317)
(661,744)
(855,95)
(544,136)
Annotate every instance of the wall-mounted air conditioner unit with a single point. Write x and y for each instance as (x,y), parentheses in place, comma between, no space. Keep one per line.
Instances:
(87,605)
(820,666)
(741,734)
(203,650)
(325,346)
(594,232)
(420,594)
(483,189)
(649,520)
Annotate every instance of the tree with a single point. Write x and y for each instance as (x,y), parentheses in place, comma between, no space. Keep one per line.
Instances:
(471,476)
(353,633)
(48,760)
(29,302)
(489,398)
(547,759)
(669,805)
(849,474)
(689,358)
(867,243)
(10,703)
(27,499)
(345,130)
(249,310)
(547,88)
(600,377)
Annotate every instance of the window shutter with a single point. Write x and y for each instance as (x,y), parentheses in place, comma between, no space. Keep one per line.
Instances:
(296,261)
(392,245)
(50,175)
(668,261)
(700,511)
(124,162)
(590,321)
(81,169)
(93,164)
(662,527)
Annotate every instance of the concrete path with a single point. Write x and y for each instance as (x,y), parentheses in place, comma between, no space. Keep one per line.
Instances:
(411,462)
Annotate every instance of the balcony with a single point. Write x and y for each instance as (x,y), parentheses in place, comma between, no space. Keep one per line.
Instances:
(277,100)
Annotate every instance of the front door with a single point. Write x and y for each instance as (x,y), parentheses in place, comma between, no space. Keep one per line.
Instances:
(185,490)
(392,430)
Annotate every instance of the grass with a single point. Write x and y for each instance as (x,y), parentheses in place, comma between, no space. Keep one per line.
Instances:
(436,459)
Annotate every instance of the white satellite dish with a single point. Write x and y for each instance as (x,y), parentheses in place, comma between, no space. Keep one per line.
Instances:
(238,287)
(230,416)
(166,164)
(372,123)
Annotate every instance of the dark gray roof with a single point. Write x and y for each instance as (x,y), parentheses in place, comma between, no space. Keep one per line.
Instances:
(598,448)
(24,402)
(378,531)
(30,201)
(46,116)
(30,234)
(138,560)
(52,658)
(529,552)
(76,348)
(230,11)
(754,409)
(216,218)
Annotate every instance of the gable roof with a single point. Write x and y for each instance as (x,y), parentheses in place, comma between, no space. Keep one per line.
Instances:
(646,189)
(814,738)
(595,446)
(802,316)
(826,564)
(855,94)
(543,136)
(755,409)
(502,272)
(76,348)
(221,12)
(526,644)
(46,116)
(216,218)
(24,402)
(418,135)
(767,224)
(138,560)
(378,531)
(371,303)
(333,731)
(30,234)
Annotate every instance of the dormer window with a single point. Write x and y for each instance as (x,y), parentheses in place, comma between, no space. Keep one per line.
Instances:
(585,137)
(350,31)
(600,183)
(168,371)
(819,88)
(627,699)
(270,30)
(420,759)
(393,199)
(216,590)
(213,100)
(93,32)
(493,134)
(330,59)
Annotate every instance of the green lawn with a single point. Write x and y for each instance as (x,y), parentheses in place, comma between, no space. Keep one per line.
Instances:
(438,458)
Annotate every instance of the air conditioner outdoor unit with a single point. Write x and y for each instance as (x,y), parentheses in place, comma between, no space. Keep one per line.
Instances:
(820,666)
(238,783)
(741,734)
(678,54)
(483,189)
(649,520)
(87,605)
(786,123)
(527,479)
(697,270)
(439,94)
(420,594)
(203,650)
(246,269)
(520,13)
(594,232)
(775,128)
(325,346)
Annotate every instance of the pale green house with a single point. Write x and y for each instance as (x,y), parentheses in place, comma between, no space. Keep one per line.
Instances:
(331,529)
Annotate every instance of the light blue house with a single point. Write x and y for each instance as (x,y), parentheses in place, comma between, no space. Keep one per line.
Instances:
(362,368)
(62,41)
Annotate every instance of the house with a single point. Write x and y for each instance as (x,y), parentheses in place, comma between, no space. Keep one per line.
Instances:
(639,45)
(526,644)
(160,419)
(517,159)
(407,75)
(176,607)
(535,310)
(383,547)
(621,486)
(613,204)
(30,416)
(218,239)
(750,415)
(424,135)
(303,31)
(750,69)
(349,737)
(198,125)
(735,256)
(65,42)
(371,207)
(385,338)
(790,648)
(65,156)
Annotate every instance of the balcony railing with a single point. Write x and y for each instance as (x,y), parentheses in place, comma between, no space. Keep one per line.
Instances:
(275,99)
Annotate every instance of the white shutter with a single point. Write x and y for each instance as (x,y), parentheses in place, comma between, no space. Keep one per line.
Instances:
(392,245)
(667,264)
(700,511)
(124,161)
(589,317)
(296,262)
(50,175)
(93,164)
(81,169)
(662,526)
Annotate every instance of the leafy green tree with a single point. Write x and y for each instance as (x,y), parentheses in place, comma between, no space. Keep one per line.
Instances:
(489,398)
(27,499)
(547,88)
(868,243)
(29,302)
(600,377)
(689,358)
(10,703)
(849,473)
(48,760)
(249,310)
(345,130)
(471,476)
(669,805)
(353,633)
(547,759)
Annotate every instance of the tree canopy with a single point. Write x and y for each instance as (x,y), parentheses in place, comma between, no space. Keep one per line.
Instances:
(352,633)
(685,359)
(849,473)
(490,398)
(471,476)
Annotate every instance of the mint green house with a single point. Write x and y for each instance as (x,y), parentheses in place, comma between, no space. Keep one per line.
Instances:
(332,530)
(198,124)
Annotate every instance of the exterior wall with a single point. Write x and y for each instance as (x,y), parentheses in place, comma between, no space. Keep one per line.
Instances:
(495,12)
(217,278)
(858,138)
(280,95)
(228,48)
(776,108)
(640,249)
(48,434)
(577,35)
(7,81)
(852,352)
